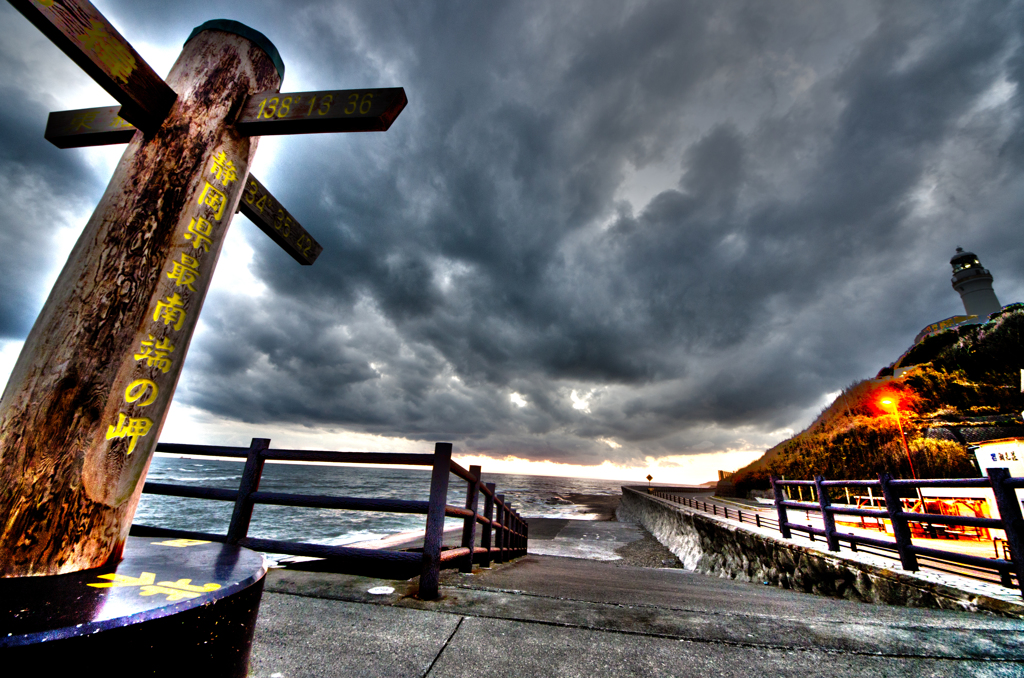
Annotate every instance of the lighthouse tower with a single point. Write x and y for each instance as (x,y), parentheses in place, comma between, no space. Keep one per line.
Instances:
(974,283)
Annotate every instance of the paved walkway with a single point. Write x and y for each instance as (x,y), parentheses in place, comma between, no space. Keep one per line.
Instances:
(547,615)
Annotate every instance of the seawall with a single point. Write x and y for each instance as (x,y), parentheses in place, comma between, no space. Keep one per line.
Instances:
(718,547)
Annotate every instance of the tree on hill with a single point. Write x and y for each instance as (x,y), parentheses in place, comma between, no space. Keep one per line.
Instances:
(961,377)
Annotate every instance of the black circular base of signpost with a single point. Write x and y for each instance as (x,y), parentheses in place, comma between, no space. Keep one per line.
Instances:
(171,607)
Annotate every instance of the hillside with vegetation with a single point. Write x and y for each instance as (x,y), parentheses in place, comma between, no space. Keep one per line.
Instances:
(963,377)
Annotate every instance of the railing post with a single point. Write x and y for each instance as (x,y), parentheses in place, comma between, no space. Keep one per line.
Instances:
(510,518)
(900,527)
(485,539)
(510,523)
(469,524)
(521,537)
(827,519)
(513,538)
(783,514)
(499,534)
(513,527)
(434,533)
(519,533)
(1013,522)
(251,474)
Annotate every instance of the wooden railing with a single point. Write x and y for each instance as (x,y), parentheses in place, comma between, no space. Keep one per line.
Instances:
(1007,564)
(998,480)
(752,517)
(504,536)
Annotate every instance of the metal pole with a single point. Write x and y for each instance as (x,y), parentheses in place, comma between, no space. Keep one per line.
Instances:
(906,448)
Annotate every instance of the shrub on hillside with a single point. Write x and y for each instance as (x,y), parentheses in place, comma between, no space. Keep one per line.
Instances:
(962,374)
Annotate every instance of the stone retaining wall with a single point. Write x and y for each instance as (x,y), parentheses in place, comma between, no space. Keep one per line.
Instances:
(715,546)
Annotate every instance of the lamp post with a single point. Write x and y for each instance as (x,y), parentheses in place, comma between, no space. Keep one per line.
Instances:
(890,403)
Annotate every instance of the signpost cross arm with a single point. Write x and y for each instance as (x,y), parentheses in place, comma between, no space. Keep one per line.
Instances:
(85,35)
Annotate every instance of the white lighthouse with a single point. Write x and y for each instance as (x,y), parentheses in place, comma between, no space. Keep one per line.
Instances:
(974,283)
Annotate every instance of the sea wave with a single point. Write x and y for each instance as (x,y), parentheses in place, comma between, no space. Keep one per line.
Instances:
(531,496)
(194,478)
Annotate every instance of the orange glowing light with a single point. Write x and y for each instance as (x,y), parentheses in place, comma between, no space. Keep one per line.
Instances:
(889,402)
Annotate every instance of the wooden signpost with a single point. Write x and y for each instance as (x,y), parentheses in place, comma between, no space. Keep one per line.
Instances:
(87,37)
(357,110)
(86,401)
(88,127)
(263,210)
(103,126)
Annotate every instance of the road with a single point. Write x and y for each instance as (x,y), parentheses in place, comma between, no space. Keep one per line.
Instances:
(556,616)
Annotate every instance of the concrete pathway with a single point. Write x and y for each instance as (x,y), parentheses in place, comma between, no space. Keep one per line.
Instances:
(557,616)
(588,539)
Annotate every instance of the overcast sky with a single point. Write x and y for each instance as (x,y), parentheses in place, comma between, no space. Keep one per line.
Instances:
(655,234)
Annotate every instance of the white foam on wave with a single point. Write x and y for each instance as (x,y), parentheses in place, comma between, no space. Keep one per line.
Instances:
(159,477)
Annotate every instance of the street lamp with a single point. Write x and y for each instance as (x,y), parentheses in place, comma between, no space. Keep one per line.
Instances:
(890,403)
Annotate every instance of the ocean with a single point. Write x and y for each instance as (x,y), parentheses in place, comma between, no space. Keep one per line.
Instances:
(531,496)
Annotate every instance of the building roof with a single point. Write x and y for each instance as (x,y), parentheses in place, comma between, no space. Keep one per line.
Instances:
(966,434)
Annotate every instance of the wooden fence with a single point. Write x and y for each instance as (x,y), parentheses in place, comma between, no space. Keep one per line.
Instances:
(1007,565)
(504,532)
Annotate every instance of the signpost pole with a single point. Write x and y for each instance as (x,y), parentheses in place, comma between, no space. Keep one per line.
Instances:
(85,403)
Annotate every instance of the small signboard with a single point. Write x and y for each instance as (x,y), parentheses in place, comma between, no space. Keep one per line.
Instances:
(346,110)
(88,127)
(85,35)
(267,213)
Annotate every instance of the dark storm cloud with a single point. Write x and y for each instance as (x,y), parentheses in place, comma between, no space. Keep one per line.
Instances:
(31,176)
(691,220)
